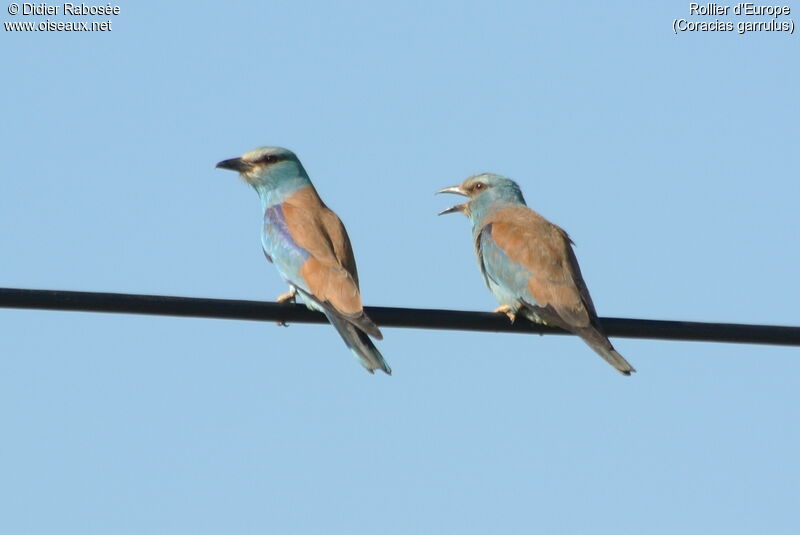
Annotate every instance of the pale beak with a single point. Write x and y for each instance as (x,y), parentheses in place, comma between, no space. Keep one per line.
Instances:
(458,207)
(453,189)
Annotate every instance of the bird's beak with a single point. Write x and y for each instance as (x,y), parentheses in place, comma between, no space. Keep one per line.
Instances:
(234,164)
(458,207)
(453,189)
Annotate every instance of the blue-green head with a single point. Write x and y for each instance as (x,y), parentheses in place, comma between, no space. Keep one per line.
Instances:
(274,172)
(487,192)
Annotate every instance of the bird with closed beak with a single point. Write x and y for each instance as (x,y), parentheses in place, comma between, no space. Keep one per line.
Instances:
(309,245)
(528,262)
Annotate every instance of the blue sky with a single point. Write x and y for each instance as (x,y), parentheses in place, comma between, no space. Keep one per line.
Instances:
(670,159)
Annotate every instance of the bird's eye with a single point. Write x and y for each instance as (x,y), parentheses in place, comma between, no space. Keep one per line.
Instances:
(479,186)
(269,159)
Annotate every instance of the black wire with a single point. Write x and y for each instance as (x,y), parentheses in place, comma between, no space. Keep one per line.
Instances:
(384,316)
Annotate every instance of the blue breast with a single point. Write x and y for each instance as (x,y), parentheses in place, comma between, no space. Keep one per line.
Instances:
(280,248)
(506,279)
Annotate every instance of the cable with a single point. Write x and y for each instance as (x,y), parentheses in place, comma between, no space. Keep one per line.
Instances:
(384,316)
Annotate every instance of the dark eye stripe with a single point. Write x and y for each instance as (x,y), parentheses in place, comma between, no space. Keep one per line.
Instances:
(271,158)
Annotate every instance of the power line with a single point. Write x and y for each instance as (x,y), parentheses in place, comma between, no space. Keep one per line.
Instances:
(384,316)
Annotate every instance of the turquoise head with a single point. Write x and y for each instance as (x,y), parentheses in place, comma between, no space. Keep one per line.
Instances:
(274,172)
(486,192)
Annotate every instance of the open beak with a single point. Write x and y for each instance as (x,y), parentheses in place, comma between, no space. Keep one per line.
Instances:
(458,207)
(234,164)
(453,189)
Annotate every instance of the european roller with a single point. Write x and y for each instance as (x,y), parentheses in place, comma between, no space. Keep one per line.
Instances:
(309,245)
(528,262)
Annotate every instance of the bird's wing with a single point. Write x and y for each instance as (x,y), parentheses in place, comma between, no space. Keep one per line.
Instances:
(328,271)
(534,259)
(340,241)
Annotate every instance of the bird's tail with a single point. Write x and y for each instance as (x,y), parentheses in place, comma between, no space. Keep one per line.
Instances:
(360,344)
(602,346)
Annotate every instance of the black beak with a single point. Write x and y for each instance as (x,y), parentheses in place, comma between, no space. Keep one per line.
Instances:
(234,164)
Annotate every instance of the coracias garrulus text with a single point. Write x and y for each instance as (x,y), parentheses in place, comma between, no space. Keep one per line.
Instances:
(528,263)
(309,245)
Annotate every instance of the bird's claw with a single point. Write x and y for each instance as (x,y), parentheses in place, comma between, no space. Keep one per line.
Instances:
(507,310)
(288,297)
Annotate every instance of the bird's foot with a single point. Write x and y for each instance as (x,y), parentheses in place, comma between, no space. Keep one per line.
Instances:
(508,311)
(288,297)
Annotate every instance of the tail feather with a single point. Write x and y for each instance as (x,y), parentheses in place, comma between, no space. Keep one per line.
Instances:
(602,346)
(615,359)
(360,344)
(592,335)
(364,323)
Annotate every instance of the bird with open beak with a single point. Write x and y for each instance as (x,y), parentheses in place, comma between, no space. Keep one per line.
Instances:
(309,245)
(528,263)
